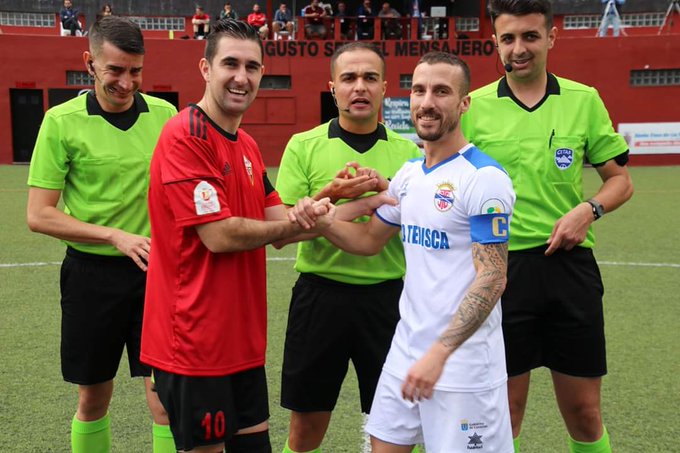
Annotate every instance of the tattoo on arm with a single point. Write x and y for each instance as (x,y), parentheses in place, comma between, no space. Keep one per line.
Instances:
(491,262)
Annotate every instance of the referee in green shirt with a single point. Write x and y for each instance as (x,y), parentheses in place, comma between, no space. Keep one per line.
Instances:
(344,307)
(542,128)
(93,152)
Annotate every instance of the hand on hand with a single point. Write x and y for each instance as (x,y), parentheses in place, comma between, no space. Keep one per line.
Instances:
(311,214)
(353,181)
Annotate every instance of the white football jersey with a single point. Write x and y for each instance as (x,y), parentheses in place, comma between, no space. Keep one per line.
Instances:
(442,210)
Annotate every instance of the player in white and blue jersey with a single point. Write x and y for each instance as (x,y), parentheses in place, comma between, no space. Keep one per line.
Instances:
(443,382)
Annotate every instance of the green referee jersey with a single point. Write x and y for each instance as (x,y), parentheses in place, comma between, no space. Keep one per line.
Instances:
(543,149)
(310,161)
(102,170)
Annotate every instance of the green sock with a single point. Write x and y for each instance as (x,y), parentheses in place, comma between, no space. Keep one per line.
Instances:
(286,449)
(91,437)
(416,449)
(599,446)
(162,439)
(515,443)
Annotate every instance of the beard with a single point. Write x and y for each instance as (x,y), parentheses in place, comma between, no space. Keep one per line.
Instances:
(446,126)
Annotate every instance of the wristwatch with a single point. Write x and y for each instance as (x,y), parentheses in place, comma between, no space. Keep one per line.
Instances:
(598,209)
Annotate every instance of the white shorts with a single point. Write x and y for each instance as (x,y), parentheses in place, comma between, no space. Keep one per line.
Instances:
(449,422)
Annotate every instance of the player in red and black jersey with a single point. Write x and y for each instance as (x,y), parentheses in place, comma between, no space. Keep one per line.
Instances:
(212,210)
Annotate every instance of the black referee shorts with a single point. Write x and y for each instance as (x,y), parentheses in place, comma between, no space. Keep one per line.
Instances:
(552,313)
(329,324)
(102,303)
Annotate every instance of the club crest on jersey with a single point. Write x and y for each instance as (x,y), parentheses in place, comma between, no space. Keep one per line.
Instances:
(249,169)
(205,199)
(564,157)
(443,197)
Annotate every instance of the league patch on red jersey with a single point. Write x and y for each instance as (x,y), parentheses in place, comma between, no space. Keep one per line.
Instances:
(205,199)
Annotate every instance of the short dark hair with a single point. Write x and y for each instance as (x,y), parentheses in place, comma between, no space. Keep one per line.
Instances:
(358,45)
(232,29)
(521,8)
(450,59)
(119,31)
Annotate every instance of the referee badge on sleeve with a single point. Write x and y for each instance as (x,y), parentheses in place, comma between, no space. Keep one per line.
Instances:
(205,199)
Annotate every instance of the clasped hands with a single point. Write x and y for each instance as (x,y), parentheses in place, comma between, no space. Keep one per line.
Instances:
(352,182)
(317,214)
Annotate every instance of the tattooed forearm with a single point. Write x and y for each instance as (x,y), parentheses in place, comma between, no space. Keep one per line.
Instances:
(491,262)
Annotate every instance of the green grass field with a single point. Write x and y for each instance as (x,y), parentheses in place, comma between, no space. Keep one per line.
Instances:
(639,255)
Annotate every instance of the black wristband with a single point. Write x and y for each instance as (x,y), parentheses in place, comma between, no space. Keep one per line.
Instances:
(598,209)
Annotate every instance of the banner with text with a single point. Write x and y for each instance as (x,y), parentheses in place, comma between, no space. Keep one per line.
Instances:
(651,138)
(397,116)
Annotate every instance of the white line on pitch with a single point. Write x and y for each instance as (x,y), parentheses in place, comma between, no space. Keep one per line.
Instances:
(618,263)
(56,263)
(288,258)
(51,263)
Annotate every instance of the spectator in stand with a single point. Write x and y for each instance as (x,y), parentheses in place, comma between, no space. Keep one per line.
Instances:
(388,11)
(415,9)
(390,22)
(228,13)
(314,18)
(611,15)
(69,18)
(328,7)
(258,19)
(283,20)
(105,11)
(201,22)
(344,21)
(365,25)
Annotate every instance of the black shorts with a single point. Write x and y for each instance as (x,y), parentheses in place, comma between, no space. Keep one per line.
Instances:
(102,303)
(329,324)
(552,313)
(209,410)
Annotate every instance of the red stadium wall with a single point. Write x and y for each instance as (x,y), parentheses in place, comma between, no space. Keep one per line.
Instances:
(172,65)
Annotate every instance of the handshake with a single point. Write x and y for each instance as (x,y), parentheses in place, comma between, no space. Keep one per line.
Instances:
(315,215)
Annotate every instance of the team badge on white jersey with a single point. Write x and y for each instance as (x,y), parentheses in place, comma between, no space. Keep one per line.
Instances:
(443,197)
(564,158)
(205,199)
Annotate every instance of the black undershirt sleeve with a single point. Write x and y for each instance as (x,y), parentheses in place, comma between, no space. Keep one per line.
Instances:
(268,187)
(621,160)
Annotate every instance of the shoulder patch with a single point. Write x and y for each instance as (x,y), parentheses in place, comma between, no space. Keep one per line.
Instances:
(205,199)
(493,206)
